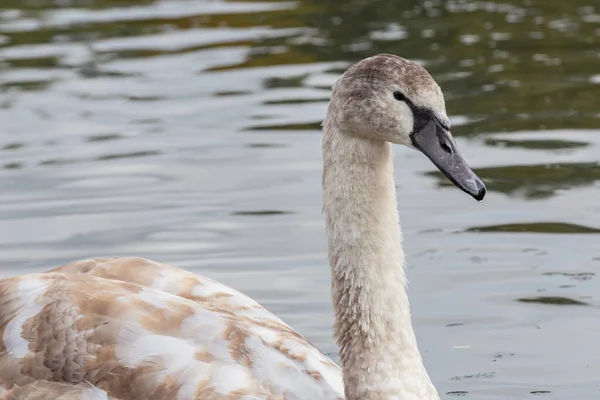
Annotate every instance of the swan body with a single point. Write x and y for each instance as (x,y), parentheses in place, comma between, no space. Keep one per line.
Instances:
(137,329)
(131,328)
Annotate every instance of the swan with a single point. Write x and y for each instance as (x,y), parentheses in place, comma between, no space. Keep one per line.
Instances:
(132,328)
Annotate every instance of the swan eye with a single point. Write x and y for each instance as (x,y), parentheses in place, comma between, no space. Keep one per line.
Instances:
(399,96)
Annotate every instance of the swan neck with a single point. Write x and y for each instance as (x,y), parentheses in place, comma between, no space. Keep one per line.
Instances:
(378,350)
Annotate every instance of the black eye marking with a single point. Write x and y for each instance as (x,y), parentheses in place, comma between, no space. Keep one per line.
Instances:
(421,115)
(399,96)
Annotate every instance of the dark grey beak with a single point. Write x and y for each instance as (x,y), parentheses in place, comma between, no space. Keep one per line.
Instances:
(436,143)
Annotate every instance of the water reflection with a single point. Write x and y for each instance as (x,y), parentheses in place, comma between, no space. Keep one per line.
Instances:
(553,300)
(542,144)
(521,65)
(537,227)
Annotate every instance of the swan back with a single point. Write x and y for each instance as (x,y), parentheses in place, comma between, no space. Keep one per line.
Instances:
(138,329)
(45,390)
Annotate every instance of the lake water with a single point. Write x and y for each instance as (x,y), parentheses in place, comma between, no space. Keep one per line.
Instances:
(188,132)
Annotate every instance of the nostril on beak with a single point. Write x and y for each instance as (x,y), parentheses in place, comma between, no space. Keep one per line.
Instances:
(446,147)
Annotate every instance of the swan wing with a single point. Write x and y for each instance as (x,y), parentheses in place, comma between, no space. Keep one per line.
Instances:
(46,390)
(138,329)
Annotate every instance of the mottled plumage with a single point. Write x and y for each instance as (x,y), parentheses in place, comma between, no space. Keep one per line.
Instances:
(137,329)
(46,390)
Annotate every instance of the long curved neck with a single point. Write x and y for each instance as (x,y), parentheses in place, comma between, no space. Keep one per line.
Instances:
(373,328)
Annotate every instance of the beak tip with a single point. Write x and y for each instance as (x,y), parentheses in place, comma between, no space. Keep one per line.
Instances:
(480,192)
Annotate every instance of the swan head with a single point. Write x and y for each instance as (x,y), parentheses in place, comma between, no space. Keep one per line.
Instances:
(386,97)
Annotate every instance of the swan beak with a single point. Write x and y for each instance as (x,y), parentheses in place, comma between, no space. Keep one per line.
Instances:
(438,145)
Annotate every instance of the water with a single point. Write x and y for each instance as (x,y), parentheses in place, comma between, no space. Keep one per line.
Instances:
(188,132)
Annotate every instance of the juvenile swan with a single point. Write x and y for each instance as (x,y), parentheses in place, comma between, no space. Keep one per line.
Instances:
(131,328)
